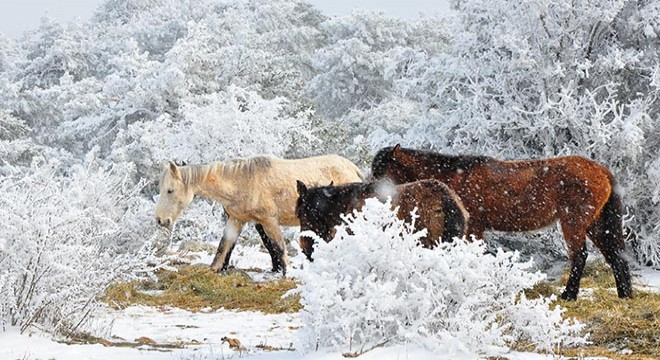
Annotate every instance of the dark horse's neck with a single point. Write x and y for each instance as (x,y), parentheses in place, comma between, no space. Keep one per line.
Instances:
(350,195)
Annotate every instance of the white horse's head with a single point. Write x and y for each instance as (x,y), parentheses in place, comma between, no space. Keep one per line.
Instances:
(175,195)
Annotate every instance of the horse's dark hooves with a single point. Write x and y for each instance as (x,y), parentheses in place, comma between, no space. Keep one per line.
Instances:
(626,294)
(223,270)
(276,269)
(569,296)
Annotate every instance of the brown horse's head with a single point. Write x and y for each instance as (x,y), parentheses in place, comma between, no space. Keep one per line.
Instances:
(389,163)
(175,195)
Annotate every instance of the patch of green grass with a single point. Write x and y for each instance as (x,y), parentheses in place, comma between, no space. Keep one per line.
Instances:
(197,287)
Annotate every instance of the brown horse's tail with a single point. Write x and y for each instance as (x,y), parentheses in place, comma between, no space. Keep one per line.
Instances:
(607,234)
(456,217)
(612,219)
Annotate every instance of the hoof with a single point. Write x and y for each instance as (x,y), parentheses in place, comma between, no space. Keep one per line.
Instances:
(568,296)
(625,294)
(215,269)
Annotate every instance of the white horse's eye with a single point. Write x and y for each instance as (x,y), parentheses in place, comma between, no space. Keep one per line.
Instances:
(170,191)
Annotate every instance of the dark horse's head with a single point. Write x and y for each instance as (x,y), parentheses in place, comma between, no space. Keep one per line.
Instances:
(319,209)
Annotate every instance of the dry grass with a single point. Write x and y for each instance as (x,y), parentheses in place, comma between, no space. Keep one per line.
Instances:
(197,287)
(613,324)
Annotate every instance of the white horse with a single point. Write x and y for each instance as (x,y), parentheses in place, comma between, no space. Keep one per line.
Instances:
(261,190)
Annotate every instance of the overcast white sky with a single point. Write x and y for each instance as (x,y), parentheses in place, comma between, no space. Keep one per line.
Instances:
(16,16)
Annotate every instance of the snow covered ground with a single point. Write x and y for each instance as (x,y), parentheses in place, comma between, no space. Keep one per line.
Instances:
(647,279)
(198,335)
(252,329)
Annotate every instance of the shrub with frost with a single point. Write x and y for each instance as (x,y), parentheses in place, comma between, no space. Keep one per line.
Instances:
(67,233)
(374,285)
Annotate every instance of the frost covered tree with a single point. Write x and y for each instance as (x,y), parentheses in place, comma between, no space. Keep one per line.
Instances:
(362,56)
(361,71)
(373,285)
(69,233)
(217,127)
(548,78)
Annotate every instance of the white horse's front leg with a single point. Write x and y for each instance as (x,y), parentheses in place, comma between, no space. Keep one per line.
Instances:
(273,230)
(226,246)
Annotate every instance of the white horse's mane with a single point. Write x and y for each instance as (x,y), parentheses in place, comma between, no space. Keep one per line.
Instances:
(247,167)
(243,168)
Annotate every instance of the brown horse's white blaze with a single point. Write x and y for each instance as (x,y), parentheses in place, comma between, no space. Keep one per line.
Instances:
(261,190)
(527,195)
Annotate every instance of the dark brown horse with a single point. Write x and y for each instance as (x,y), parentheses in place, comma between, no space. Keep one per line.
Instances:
(527,195)
(439,209)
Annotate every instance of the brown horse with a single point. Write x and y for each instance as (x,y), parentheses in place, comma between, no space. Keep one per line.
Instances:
(261,190)
(439,209)
(527,195)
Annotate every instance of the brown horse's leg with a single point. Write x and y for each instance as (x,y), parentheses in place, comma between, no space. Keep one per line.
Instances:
(578,260)
(607,235)
(226,246)
(474,232)
(273,231)
(272,250)
(575,237)
(621,272)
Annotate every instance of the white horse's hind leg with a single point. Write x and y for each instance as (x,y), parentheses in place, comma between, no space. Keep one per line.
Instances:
(229,236)
(272,250)
(273,230)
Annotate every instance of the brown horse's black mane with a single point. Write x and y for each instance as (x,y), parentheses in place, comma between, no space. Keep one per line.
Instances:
(427,159)
(448,162)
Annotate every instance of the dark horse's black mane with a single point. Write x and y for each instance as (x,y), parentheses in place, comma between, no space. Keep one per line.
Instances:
(342,196)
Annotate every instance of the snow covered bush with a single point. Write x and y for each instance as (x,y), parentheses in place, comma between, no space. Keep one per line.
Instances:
(374,285)
(67,233)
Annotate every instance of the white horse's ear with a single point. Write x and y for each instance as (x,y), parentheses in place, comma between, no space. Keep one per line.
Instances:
(174,169)
(302,189)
